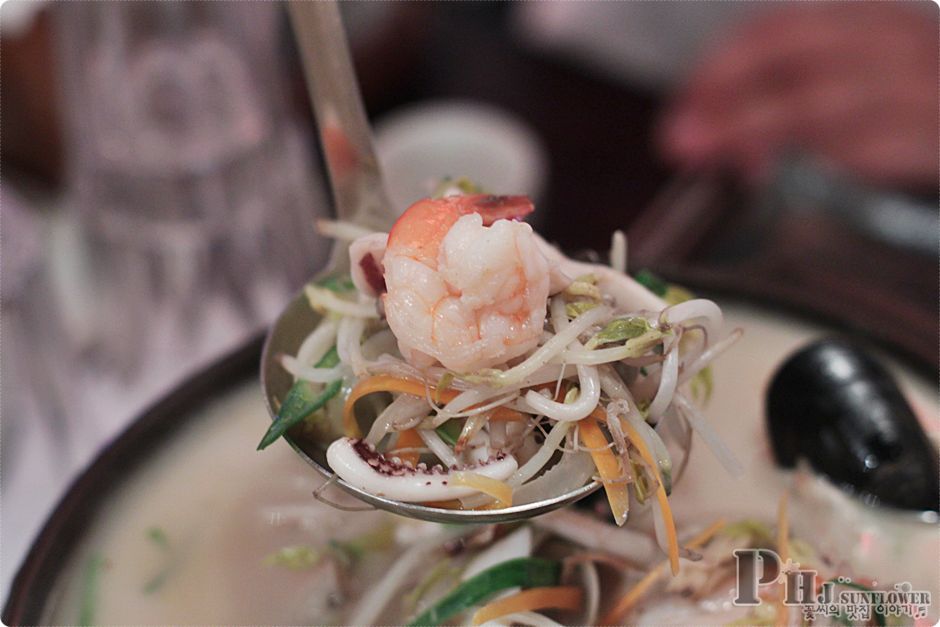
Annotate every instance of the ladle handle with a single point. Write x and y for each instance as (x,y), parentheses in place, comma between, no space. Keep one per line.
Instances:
(355,176)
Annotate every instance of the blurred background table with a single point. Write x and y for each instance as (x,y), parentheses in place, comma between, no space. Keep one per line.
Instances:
(605,174)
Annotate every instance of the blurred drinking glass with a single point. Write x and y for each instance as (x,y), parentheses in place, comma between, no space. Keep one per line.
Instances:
(188,175)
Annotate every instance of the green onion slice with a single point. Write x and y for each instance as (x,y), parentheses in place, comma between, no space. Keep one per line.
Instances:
(526,572)
(302,400)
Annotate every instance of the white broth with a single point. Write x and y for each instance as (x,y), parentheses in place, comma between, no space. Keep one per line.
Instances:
(223,508)
(882,543)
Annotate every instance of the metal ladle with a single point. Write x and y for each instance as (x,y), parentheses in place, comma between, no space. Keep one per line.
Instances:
(359,196)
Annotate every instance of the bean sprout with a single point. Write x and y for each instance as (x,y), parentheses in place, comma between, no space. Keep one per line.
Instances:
(588,361)
(668,380)
(315,345)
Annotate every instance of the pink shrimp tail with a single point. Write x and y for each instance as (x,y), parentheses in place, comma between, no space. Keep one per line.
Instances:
(423,225)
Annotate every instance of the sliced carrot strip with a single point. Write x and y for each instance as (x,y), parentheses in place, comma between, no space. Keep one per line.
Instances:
(385,383)
(489,506)
(499,490)
(607,467)
(556,597)
(451,504)
(661,497)
(388,383)
(628,601)
(783,529)
(409,439)
(504,414)
(783,549)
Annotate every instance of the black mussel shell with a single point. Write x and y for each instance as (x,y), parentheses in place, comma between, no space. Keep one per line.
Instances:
(835,405)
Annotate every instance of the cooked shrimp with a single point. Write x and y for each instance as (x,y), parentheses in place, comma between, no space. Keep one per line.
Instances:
(466,287)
